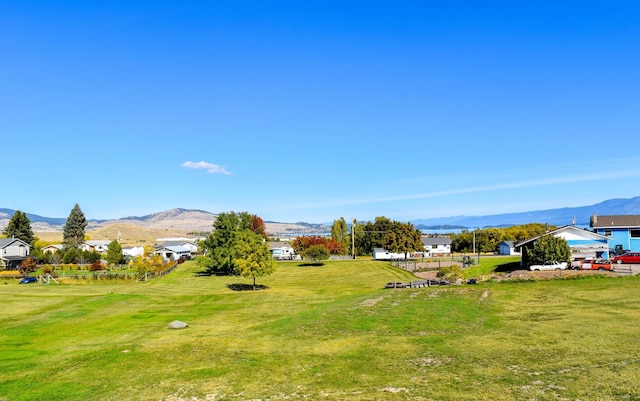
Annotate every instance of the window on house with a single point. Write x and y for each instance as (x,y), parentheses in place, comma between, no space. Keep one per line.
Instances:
(434,246)
(634,233)
(607,232)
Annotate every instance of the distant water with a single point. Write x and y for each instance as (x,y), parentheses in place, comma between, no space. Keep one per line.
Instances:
(442,232)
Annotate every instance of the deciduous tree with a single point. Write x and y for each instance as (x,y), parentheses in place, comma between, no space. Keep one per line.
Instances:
(251,256)
(221,247)
(73,231)
(316,253)
(550,248)
(339,233)
(28,265)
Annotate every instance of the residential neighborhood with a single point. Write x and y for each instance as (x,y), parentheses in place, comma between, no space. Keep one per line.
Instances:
(607,236)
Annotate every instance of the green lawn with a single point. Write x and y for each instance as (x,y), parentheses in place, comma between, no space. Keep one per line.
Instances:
(329,333)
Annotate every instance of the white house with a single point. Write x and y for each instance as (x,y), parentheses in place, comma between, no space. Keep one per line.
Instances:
(172,252)
(133,251)
(100,246)
(53,248)
(282,250)
(190,245)
(383,254)
(12,252)
(436,246)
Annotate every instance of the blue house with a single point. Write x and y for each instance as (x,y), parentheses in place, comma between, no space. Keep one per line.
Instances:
(622,231)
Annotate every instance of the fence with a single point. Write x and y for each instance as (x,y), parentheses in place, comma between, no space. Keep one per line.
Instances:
(149,275)
(628,270)
(414,266)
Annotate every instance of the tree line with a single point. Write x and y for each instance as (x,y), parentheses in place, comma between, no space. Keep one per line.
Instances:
(488,240)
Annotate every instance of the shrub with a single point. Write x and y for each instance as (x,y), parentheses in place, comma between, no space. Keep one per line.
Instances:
(95,266)
(450,272)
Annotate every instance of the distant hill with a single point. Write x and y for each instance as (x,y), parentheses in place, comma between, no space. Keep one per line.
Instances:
(7,213)
(556,217)
(190,220)
(173,221)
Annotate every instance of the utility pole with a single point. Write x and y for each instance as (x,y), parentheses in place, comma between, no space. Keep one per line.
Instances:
(353,239)
(474,240)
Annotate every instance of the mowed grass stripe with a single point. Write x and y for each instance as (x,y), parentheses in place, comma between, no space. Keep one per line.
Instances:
(328,332)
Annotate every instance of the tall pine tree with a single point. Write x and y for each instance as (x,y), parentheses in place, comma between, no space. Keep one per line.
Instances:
(73,232)
(20,227)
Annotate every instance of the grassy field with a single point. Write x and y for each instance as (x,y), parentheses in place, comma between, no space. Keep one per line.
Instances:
(328,332)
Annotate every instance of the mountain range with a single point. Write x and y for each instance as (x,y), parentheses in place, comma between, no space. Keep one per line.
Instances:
(201,221)
(579,216)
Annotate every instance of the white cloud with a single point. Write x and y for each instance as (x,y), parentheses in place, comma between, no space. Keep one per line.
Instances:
(210,167)
(558,180)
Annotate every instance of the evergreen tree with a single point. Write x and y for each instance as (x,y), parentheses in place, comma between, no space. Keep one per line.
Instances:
(73,231)
(114,252)
(20,227)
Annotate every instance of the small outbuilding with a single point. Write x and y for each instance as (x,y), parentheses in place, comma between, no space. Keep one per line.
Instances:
(508,248)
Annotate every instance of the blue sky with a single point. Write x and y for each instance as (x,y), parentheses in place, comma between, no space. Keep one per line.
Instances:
(312,111)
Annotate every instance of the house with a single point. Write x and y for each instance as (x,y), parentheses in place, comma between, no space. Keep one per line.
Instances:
(190,245)
(12,252)
(133,252)
(508,248)
(583,243)
(383,254)
(282,250)
(172,252)
(53,248)
(436,246)
(622,231)
(100,246)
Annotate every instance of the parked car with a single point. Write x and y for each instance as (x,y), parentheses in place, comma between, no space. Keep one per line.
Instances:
(28,280)
(553,265)
(577,264)
(628,257)
(594,264)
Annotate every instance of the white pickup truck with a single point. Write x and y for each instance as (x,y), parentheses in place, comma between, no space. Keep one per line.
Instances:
(549,266)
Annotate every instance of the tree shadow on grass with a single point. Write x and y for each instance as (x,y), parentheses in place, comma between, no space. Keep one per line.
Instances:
(307,264)
(508,267)
(205,273)
(246,287)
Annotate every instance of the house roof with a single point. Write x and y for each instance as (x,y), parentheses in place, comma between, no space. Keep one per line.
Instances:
(177,243)
(615,221)
(510,244)
(5,242)
(279,244)
(436,241)
(176,249)
(98,242)
(577,230)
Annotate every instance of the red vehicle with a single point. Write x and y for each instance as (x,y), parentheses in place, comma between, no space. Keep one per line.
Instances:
(597,264)
(628,257)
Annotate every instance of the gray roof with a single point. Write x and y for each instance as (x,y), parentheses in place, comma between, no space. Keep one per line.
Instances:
(279,244)
(615,221)
(5,242)
(508,243)
(564,228)
(177,243)
(436,241)
(176,249)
